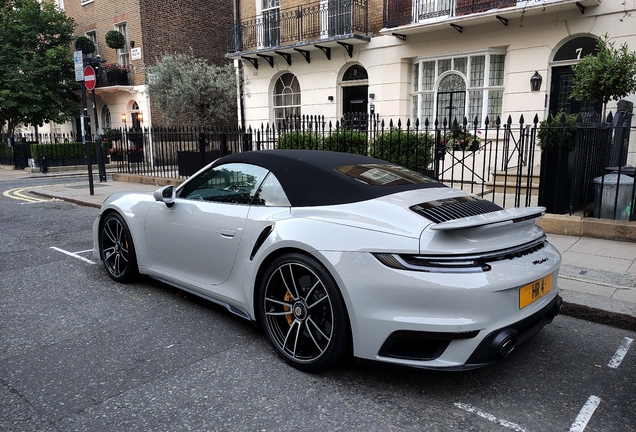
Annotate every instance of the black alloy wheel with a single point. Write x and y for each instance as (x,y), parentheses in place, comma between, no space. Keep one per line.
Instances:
(116,249)
(303,313)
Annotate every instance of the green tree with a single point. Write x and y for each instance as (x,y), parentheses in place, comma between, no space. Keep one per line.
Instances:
(37,81)
(610,75)
(185,88)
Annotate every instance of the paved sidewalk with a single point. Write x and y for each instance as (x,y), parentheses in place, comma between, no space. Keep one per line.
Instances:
(597,278)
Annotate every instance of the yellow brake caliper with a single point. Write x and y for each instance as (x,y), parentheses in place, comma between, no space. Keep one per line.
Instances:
(288,298)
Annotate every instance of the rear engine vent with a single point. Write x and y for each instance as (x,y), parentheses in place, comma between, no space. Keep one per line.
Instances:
(447,209)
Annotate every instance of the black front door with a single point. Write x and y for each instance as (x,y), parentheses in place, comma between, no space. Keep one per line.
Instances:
(560,90)
(355,99)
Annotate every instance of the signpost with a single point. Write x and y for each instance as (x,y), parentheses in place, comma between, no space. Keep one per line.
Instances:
(88,76)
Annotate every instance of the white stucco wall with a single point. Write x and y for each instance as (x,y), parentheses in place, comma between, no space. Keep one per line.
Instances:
(529,46)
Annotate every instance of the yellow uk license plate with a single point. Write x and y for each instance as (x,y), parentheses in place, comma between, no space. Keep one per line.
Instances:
(534,291)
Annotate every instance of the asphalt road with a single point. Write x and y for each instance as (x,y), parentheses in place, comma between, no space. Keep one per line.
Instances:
(81,352)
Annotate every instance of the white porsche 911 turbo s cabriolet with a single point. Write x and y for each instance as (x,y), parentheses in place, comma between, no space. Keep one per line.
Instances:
(333,253)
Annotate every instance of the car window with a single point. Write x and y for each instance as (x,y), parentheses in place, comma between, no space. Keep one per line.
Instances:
(271,193)
(234,183)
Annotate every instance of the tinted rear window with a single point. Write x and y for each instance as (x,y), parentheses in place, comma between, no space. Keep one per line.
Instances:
(384,175)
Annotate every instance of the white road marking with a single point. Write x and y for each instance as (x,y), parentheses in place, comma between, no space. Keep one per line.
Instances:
(74,255)
(490,417)
(620,353)
(585,414)
(84,251)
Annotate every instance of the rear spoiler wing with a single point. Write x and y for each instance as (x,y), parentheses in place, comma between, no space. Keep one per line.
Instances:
(513,215)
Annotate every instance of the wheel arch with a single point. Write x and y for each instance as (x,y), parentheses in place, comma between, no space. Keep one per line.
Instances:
(285,250)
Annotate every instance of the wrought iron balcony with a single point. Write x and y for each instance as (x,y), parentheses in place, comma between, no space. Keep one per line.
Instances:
(397,13)
(302,25)
(117,76)
(403,12)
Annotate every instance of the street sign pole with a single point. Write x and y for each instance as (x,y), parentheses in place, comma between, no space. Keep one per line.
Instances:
(78,61)
(99,148)
(85,133)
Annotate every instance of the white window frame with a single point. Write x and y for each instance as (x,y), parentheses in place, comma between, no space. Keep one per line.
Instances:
(261,11)
(292,107)
(92,35)
(123,54)
(417,93)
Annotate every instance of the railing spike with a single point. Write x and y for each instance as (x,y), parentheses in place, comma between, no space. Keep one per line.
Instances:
(536,119)
(487,121)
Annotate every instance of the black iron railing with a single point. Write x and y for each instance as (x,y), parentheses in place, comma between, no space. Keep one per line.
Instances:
(305,23)
(114,77)
(562,166)
(403,12)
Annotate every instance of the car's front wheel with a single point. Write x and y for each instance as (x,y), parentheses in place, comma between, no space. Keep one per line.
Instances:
(116,249)
(303,313)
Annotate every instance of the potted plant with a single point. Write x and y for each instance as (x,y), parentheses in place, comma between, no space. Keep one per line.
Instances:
(85,45)
(460,139)
(115,40)
(116,74)
(557,141)
(111,137)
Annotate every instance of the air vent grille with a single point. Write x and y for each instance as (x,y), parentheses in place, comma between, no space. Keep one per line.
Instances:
(454,208)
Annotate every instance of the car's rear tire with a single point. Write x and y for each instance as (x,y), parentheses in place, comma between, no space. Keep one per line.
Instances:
(303,314)
(116,249)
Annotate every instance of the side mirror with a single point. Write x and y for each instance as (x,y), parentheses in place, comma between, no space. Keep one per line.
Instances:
(166,195)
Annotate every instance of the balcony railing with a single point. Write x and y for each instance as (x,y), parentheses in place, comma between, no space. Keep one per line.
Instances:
(404,12)
(298,25)
(114,77)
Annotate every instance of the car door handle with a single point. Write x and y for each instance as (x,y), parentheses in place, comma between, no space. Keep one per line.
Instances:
(226,232)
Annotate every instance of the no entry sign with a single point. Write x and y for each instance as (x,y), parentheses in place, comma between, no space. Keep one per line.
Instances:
(89,77)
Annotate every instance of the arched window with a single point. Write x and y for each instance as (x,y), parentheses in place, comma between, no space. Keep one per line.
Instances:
(473,89)
(106,124)
(286,97)
(451,98)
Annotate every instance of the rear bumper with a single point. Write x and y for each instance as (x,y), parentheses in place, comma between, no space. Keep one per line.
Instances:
(500,343)
(493,348)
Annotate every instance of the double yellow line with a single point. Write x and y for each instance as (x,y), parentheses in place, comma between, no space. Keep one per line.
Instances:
(18,193)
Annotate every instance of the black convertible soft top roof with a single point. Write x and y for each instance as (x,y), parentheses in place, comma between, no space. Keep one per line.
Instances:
(309,177)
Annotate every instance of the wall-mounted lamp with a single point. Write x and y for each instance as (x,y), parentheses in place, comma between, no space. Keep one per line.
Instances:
(535,81)
(330,98)
(371,95)
(140,117)
(132,44)
(123,118)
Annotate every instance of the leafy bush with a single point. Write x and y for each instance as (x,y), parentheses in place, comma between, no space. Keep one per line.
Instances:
(347,141)
(408,149)
(554,135)
(71,150)
(110,136)
(299,140)
(5,150)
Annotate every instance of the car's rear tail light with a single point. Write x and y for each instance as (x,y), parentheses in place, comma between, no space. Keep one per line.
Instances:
(473,263)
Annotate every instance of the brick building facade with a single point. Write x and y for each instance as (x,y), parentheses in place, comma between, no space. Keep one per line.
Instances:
(152,28)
